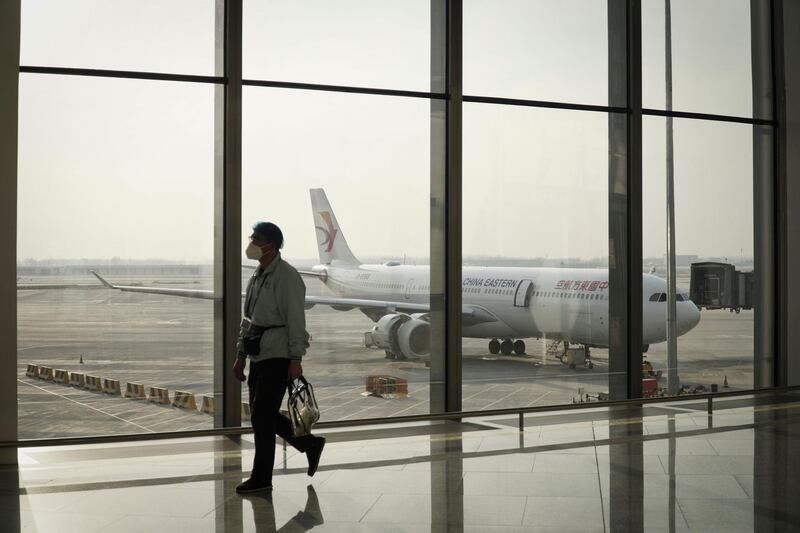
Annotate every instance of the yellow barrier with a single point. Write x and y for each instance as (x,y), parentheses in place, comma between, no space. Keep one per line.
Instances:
(77,379)
(94,383)
(184,400)
(158,395)
(33,371)
(61,376)
(111,386)
(245,411)
(135,391)
(46,373)
(208,404)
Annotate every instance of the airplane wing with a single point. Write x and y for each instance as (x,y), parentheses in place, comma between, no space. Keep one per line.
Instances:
(186,293)
(471,315)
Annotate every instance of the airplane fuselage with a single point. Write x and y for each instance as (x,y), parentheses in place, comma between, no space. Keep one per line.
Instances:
(527,302)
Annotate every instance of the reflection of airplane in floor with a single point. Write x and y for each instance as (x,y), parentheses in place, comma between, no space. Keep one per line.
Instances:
(504,304)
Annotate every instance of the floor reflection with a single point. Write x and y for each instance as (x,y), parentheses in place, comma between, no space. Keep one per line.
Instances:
(670,472)
(264,514)
(447,485)
(9,500)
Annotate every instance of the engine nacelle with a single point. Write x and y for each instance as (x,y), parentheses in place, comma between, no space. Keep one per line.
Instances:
(403,336)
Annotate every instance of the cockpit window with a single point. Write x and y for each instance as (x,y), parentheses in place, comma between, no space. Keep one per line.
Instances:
(662,297)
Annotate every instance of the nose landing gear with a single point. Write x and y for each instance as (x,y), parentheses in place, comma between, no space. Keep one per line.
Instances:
(506,347)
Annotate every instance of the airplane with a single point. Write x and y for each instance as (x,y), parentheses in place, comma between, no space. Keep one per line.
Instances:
(502,304)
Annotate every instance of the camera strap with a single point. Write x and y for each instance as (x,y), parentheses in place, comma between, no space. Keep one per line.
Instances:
(250,303)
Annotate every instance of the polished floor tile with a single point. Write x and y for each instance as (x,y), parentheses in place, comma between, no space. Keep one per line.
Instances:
(666,473)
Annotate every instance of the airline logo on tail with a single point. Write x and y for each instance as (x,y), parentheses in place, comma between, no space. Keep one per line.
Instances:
(330,233)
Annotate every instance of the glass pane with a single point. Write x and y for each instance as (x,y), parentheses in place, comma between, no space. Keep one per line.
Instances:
(114,176)
(364,43)
(175,36)
(713,231)
(537,50)
(366,225)
(535,256)
(711,56)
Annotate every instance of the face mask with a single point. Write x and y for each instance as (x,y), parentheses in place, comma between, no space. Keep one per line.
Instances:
(253,252)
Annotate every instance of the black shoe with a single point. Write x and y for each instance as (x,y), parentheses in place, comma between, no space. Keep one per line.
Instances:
(253,485)
(313,454)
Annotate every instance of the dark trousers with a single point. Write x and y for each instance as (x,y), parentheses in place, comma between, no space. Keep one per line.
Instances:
(267,385)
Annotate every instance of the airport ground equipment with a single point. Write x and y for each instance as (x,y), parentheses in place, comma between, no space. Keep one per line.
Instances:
(112,386)
(135,391)
(207,406)
(575,357)
(94,383)
(158,395)
(721,286)
(32,371)
(649,387)
(61,376)
(648,372)
(184,400)
(385,386)
(77,379)
(46,373)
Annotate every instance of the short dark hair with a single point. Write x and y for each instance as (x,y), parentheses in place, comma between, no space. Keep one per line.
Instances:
(269,232)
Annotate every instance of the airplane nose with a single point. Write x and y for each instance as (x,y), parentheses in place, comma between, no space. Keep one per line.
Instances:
(688,317)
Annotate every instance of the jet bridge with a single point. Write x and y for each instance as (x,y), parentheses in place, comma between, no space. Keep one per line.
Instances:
(721,286)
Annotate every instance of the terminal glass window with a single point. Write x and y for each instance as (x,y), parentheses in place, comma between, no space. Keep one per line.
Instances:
(173,36)
(115,178)
(714,223)
(361,43)
(535,216)
(537,50)
(347,178)
(711,56)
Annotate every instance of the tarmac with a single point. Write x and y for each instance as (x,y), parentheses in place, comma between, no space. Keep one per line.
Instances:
(168,342)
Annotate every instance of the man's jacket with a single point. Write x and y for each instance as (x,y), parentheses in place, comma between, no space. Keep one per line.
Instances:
(275,299)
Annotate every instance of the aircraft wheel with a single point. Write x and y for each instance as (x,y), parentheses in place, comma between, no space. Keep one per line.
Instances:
(589,365)
(494,346)
(389,355)
(506,347)
(519,347)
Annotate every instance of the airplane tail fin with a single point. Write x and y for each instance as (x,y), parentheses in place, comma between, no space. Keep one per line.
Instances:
(331,243)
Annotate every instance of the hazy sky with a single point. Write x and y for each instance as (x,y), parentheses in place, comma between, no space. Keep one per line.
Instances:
(125,167)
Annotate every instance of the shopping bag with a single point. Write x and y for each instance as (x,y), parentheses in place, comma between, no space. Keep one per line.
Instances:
(303,409)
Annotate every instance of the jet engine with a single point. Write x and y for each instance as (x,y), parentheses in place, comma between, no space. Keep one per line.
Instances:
(403,336)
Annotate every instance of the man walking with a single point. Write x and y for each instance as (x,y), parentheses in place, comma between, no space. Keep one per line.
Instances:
(273,336)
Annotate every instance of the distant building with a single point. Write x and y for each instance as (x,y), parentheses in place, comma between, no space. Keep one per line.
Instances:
(682,260)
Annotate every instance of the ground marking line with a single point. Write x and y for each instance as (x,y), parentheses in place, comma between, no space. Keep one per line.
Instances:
(480,392)
(321,397)
(499,400)
(539,398)
(409,408)
(174,420)
(86,405)
(149,415)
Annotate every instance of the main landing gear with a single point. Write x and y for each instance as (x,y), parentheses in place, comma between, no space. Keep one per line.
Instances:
(506,347)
